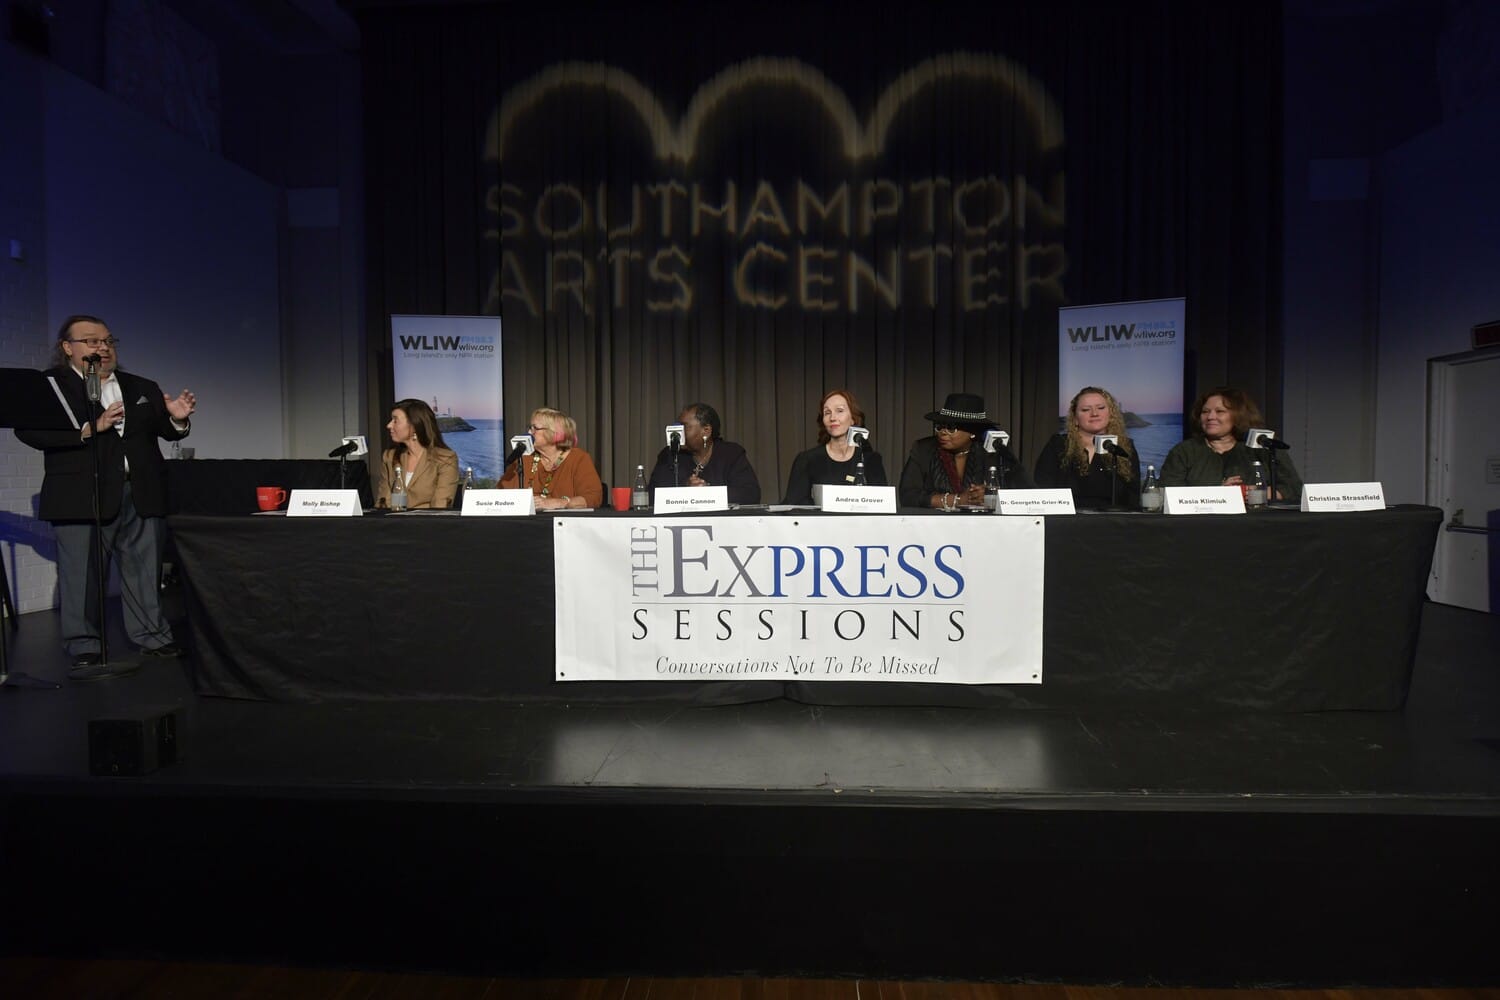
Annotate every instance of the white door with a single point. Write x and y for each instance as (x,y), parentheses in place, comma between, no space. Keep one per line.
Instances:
(1463,478)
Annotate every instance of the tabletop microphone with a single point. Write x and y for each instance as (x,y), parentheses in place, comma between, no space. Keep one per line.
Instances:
(858,436)
(521,444)
(675,434)
(1111,444)
(1260,437)
(346,448)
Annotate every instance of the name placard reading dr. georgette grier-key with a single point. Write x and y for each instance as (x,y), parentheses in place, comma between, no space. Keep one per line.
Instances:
(1204,500)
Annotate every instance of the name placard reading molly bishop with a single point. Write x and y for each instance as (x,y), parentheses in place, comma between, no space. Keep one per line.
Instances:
(829,598)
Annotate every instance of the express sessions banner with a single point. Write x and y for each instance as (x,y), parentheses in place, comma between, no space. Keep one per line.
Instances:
(953,600)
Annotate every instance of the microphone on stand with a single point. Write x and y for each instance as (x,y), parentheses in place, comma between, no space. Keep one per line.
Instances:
(91,379)
(997,442)
(521,444)
(675,436)
(345,449)
(857,438)
(1109,444)
(1266,440)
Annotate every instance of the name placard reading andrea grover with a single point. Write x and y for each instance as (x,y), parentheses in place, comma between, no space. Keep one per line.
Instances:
(783,598)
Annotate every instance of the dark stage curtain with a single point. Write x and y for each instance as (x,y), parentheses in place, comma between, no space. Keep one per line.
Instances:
(747,204)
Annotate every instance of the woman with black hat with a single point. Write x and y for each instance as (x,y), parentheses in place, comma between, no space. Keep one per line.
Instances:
(947,470)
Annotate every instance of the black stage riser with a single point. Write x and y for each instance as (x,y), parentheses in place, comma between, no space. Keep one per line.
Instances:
(585,885)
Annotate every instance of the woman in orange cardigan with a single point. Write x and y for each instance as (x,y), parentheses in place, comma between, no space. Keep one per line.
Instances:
(560,473)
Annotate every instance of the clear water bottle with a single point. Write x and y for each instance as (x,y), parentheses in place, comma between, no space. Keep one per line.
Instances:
(640,499)
(992,488)
(468,478)
(398,490)
(1255,487)
(1151,494)
(859,475)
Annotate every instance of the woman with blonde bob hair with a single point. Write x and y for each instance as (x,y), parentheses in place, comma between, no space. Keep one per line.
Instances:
(1097,478)
(560,473)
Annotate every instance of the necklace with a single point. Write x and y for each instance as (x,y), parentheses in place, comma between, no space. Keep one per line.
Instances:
(698,466)
(553,466)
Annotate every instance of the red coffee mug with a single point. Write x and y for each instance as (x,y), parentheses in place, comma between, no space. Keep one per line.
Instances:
(269,497)
(620,497)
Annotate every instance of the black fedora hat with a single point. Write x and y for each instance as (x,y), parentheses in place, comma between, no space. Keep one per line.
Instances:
(962,409)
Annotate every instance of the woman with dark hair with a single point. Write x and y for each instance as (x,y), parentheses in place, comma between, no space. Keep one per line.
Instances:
(1097,479)
(1214,453)
(706,459)
(947,470)
(834,461)
(560,474)
(429,469)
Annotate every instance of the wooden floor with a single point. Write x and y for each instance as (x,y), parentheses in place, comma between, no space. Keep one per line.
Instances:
(44,978)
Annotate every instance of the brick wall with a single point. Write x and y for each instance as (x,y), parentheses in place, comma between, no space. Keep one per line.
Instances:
(25,341)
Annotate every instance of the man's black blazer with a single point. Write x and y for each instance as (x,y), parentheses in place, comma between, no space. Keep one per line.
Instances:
(68,482)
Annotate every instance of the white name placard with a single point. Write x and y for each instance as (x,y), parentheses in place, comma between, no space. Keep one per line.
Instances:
(1047,501)
(324,503)
(1204,500)
(498,503)
(690,499)
(1343,496)
(858,499)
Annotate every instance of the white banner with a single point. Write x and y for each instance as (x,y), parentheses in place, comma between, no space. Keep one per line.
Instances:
(955,600)
(452,363)
(1134,350)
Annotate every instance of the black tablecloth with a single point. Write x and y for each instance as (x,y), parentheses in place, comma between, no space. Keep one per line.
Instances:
(227,485)
(1279,610)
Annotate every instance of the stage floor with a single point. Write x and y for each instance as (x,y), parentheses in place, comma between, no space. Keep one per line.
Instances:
(1134,846)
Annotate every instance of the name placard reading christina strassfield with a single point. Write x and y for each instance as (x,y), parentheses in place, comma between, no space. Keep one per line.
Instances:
(1343,496)
(822,598)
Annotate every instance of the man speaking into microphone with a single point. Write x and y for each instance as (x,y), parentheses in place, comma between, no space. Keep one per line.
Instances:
(130,415)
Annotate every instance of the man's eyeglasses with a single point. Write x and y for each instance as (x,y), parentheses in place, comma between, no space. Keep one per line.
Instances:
(95,342)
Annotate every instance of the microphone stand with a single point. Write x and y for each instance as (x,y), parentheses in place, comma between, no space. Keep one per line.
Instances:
(676,459)
(95,410)
(1271,485)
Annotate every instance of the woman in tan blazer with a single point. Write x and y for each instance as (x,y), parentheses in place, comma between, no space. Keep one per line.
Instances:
(428,467)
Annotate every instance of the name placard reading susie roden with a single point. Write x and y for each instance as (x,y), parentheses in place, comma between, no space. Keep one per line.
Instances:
(690,499)
(498,503)
(324,503)
(1204,500)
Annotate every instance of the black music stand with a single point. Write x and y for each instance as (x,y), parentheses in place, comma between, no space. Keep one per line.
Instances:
(28,401)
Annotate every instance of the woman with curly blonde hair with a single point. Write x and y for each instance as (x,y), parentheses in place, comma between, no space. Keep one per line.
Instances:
(1097,478)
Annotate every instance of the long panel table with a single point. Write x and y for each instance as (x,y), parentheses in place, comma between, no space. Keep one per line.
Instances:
(1280,610)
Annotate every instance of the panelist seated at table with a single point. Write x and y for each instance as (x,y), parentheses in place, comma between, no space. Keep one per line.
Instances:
(834,461)
(948,469)
(559,473)
(1214,453)
(1097,479)
(429,468)
(706,459)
